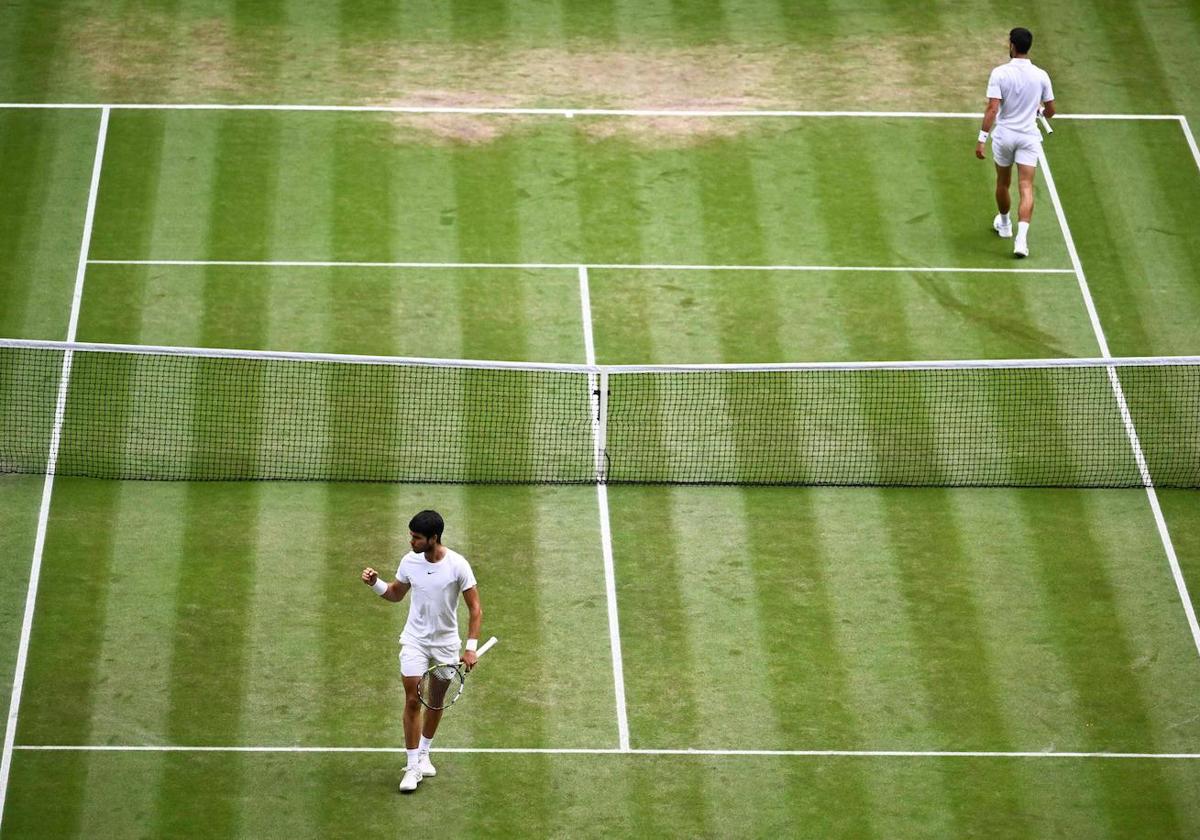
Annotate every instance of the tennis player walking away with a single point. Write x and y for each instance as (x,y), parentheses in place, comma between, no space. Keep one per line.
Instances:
(1015,93)
(437,576)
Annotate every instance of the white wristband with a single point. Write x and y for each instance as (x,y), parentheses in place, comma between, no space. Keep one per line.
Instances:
(380,586)
(472,644)
(983,135)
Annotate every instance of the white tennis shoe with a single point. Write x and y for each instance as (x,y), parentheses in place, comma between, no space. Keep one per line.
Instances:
(425,765)
(412,778)
(1021,247)
(1005,230)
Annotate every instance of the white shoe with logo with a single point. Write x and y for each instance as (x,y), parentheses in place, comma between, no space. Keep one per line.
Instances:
(1005,230)
(412,778)
(425,765)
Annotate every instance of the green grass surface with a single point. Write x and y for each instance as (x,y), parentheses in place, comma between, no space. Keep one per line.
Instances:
(595,189)
(230,614)
(47,165)
(20,497)
(273,796)
(901,620)
(834,54)
(252,627)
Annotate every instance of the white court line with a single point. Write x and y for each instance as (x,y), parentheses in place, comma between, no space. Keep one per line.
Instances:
(560,112)
(590,266)
(60,410)
(597,382)
(1126,416)
(1191,139)
(428,361)
(612,751)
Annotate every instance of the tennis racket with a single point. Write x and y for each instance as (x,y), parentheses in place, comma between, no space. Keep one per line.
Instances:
(442,685)
(1045,122)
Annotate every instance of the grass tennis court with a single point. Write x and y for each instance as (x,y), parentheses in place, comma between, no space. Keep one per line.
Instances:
(840,662)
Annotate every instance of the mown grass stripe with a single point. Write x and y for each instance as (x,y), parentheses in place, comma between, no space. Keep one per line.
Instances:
(877,229)
(61,673)
(129,697)
(750,327)
(596,19)
(1136,247)
(664,702)
(487,198)
(423,194)
(1111,705)
(24,147)
(130,701)
(209,643)
(36,52)
(805,666)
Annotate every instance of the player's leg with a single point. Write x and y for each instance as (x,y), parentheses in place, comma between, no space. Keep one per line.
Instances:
(1026,167)
(434,716)
(412,666)
(412,712)
(1003,188)
(1002,154)
(1025,187)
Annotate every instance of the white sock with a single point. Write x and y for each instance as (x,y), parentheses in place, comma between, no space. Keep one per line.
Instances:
(1004,219)
(1022,230)
(412,758)
(425,742)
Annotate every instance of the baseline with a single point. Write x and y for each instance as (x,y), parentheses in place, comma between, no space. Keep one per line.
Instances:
(611,751)
(562,112)
(60,410)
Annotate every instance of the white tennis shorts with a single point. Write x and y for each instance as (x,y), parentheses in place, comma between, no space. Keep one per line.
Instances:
(416,659)
(1008,146)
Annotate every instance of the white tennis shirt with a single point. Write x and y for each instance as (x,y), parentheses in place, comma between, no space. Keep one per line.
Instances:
(1021,86)
(433,598)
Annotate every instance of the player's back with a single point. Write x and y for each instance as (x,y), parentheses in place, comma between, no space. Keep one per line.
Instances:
(1021,86)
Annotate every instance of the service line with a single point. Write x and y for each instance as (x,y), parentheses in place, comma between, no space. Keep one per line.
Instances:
(554,266)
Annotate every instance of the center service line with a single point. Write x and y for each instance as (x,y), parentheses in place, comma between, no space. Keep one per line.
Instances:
(596,384)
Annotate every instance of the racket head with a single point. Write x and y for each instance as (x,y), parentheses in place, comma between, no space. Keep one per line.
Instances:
(441,685)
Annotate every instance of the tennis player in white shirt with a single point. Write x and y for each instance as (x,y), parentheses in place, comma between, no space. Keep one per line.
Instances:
(437,576)
(1015,93)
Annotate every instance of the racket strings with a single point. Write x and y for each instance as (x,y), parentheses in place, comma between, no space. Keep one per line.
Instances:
(440,686)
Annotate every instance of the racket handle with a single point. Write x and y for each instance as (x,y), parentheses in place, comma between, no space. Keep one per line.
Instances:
(484,647)
(1045,122)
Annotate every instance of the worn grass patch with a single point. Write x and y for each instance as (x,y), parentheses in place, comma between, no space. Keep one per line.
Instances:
(182,59)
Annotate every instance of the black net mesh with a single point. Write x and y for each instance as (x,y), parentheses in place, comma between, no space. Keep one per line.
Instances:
(192,417)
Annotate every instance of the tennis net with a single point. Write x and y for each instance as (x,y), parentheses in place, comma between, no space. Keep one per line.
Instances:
(116,411)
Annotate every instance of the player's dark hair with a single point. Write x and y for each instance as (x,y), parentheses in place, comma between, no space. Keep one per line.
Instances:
(1021,39)
(427,523)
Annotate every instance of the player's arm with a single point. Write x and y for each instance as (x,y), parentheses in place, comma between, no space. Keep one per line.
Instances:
(474,625)
(989,119)
(393,591)
(1048,109)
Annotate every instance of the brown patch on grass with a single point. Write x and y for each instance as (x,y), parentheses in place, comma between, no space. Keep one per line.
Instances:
(157,57)
(451,129)
(662,132)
